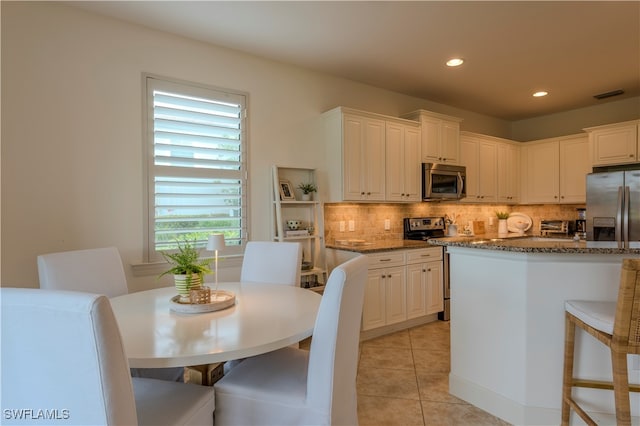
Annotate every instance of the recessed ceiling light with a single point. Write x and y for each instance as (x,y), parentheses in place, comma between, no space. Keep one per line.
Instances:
(540,94)
(455,62)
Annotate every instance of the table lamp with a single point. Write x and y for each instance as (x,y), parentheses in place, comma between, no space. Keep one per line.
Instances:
(216,243)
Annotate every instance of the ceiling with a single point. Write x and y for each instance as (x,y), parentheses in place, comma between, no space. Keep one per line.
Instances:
(573,50)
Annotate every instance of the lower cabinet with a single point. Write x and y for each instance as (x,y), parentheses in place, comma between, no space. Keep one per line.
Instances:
(402,285)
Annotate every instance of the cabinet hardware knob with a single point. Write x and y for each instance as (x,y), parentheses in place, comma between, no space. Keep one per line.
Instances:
(429,269)
(424,270)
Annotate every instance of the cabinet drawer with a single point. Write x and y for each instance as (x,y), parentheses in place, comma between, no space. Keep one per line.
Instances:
(424,255)
(383,260)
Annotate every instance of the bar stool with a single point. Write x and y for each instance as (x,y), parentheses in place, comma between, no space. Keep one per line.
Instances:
(615,324)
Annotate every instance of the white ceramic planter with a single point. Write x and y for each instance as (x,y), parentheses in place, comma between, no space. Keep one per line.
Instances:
(184,283)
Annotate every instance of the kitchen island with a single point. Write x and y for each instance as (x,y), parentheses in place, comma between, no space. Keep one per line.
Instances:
(507,324)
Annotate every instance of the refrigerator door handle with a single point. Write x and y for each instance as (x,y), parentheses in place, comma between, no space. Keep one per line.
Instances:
(619,208)
(625,215)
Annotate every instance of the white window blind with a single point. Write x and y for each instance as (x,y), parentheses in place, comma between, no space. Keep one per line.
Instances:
(196,170)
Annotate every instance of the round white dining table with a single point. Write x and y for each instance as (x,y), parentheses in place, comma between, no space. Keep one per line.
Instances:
(264,318)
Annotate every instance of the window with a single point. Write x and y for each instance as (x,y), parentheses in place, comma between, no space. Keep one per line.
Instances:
(196,167)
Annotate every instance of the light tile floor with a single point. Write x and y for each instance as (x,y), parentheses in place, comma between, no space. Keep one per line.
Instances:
(403,380)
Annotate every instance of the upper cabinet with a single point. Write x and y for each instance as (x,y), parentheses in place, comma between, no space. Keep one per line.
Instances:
(614,143)
(508,172)
(554,170)
(363,158)
(492,168)
(403,175)
(440,136)
(371,157)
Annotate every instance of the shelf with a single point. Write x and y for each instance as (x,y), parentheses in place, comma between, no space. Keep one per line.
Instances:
(312,271)
(308,213)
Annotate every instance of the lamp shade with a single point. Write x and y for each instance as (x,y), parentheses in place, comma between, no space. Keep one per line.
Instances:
(216,242)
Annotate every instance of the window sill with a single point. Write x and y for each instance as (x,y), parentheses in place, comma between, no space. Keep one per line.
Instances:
(157,268)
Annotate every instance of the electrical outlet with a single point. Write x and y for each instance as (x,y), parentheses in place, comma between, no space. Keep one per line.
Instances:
(490,220)
(352,225)
(387,225)
(342,226)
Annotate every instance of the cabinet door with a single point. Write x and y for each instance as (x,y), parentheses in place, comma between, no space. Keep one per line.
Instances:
(574,167)
(394,145)
(469,159)
(508,182)
(542,165)
(373,310)
(480,158)
(487,171)
(450,142)
(403,167)
(412,165)
(364,158)
(353,162)
(374,160)
(431,135)
(396,295)
(416,291)
(615,145)
(434,287)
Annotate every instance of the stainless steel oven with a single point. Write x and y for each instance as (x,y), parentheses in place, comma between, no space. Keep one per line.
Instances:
(422,229)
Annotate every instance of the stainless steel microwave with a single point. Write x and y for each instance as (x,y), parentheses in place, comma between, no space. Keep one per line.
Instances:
(443,182)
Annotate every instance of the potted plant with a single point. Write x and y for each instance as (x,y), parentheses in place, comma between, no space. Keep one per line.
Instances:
(502,222)
(187,269)
(307,190)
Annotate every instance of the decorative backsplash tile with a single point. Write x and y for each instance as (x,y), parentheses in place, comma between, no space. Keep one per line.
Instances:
(369,218)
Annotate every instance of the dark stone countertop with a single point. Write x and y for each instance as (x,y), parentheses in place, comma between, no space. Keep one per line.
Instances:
(378,246)
(532,244)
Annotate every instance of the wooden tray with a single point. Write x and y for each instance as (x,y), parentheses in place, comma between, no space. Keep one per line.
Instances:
(220,299)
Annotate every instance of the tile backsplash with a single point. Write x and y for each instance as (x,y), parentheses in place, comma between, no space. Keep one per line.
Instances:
(369,218)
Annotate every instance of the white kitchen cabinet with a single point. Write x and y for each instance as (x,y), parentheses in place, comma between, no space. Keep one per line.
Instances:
(508,173)
(385,291)
(358,168)
(480,157)
(554,170)
(614,143)
(363,158)
(440,136)
(575,164)
(403,288)
(403,175)
(425,288)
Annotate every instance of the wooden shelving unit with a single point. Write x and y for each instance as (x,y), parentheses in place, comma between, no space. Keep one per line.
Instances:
(309,214)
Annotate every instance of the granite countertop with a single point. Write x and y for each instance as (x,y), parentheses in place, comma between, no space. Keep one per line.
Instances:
(531,244)
(361,246)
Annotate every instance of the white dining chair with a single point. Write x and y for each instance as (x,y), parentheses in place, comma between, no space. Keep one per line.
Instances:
(96,270)
(99,271)
(272,262)
(298,387)
(63,358)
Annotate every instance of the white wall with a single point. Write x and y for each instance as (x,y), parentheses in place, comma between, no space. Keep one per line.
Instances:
(72,125)
(71,128)
(572,122)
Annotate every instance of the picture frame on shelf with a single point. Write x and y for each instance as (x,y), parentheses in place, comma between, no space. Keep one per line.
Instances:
(286,191)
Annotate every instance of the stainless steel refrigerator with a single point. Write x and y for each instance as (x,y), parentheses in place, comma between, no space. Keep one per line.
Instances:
(613,209)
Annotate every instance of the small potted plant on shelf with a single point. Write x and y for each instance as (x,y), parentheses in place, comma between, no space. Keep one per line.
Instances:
(307,190)
(187,269)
